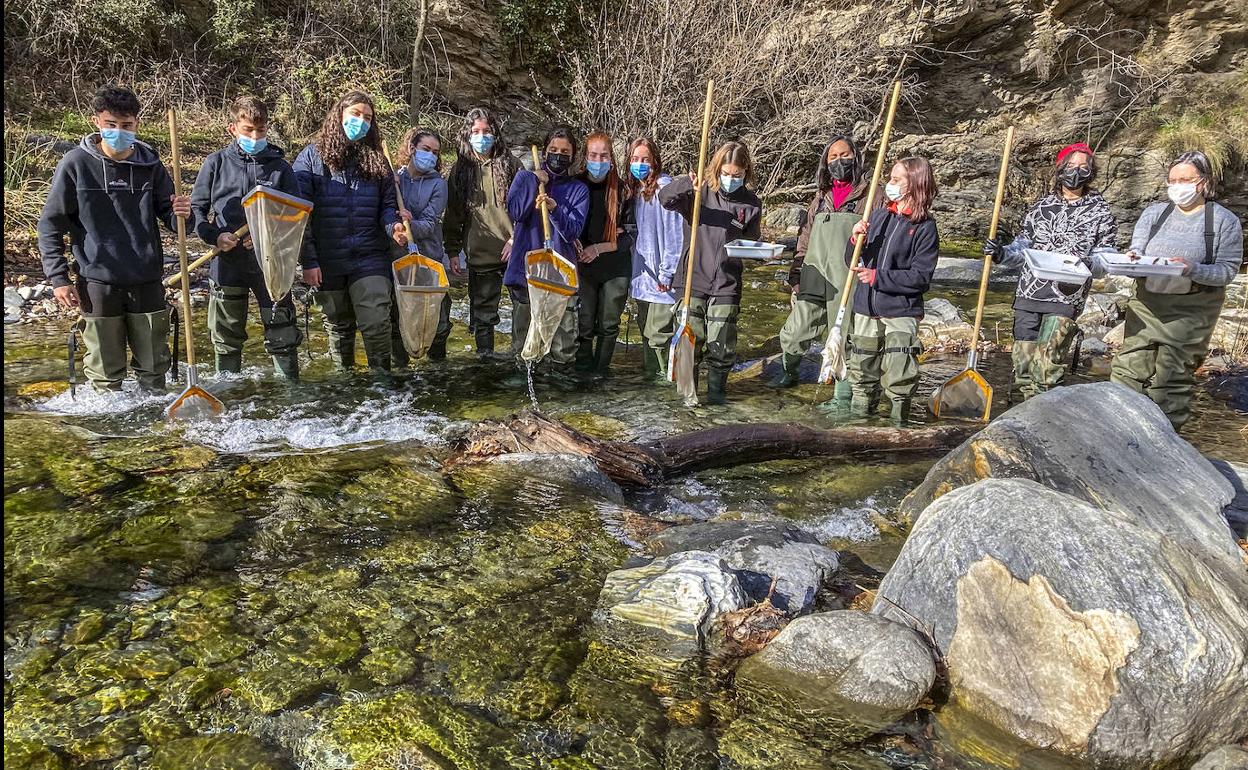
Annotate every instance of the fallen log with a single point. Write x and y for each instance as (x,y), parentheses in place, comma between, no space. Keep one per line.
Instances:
(645,464)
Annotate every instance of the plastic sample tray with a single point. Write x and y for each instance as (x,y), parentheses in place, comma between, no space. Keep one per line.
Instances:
(753,249)
(1052,266)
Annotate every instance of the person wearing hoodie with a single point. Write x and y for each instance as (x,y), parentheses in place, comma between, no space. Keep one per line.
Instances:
(108,195)
(226,178)
(1071,219)
(730,211)
(1171,319)
(603,259)
(424,195)
(567,204)
(657,246)
(898,260)
(819,270)
(477,221)
(346,257)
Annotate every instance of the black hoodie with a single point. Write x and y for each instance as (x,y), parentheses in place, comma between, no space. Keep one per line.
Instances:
(226,177)
(110,210)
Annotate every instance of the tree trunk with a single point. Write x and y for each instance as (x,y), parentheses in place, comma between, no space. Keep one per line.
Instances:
(418,43)
(645,464)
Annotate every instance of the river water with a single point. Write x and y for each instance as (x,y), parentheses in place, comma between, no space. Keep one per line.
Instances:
(302,583)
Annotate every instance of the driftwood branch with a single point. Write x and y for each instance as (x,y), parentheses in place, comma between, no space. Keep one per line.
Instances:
(645,464)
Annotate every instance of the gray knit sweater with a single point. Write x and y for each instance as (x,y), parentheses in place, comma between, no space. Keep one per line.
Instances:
(1183,235)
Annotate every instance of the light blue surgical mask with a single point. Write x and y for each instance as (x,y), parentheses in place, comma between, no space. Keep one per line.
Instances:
(424,161)
(252,146)
(355,127)
(730,184)
(893,191)
(481,143)
(118,139)
(598,169)
(639,170)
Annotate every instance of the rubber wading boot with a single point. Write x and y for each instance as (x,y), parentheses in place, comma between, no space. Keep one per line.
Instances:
(339,327)
(716,387)
(230,362)
(437,351)
(787,377)
(603,355)
(484,337)
(104,361)
(149,344)
(519,379)
(585,355)
(287,366)
(900,413)
(839,404)
(861,406)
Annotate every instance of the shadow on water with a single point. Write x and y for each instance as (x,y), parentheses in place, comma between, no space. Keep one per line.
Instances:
(305,571)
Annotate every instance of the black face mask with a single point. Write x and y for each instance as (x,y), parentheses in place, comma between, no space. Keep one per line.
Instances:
(841,169)
(1074,178)
(558,164)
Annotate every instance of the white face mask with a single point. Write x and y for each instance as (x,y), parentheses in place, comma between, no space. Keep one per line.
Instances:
(893,192)
(1182,194)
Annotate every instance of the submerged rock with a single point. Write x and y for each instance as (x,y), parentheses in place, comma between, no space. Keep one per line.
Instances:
(757,552)
(943,325)
(1112,631)
(217,752)
(851,658)
(677,597)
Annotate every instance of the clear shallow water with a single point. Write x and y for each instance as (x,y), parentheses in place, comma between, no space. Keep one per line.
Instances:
(305,571)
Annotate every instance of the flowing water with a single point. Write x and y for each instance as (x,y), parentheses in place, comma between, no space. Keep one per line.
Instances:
(303,583)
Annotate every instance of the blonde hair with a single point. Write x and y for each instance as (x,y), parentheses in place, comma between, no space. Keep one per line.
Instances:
(735,153)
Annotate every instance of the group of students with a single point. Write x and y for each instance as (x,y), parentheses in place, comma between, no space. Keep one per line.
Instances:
(627,228)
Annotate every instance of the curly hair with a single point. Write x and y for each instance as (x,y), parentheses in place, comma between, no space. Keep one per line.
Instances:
(465,173)
(340,153)
(650,185)
(411,138)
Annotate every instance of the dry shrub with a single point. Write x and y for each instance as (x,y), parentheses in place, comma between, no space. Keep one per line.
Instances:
(786,75)
(28,167)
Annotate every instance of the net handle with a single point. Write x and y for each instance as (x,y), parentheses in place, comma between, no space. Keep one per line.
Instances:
(541,191)
(697,194)
(992,235)
(398,196)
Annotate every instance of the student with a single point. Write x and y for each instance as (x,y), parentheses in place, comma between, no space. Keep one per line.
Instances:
(657,247)
(424,195)
(1071,219)
(819,266)
(1170,320)
(897,262)
(107,196)
(604,259)
(477,221)
(346,257)
(227,176)
(567,204)
(730,211)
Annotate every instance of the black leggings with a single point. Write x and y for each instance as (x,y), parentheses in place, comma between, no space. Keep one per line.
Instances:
(104,300)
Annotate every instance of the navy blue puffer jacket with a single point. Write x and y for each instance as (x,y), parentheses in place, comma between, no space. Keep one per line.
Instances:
(352,218)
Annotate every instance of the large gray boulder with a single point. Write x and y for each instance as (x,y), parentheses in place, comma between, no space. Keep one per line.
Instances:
(1107,446)
(1225,758)
(1106,621)
(757,552)
(852,656)
(671,604)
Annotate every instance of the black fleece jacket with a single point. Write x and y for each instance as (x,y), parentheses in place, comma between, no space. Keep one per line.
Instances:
(903,254)
(110,210)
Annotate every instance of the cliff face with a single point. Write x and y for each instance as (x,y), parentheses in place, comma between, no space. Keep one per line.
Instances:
(1113,73)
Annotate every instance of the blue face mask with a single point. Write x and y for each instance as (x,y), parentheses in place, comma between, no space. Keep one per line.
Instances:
(424,161)
(355,127)
(252,146)
(598,169)
(118,139)
(730,184)
(639,170)
(481,143)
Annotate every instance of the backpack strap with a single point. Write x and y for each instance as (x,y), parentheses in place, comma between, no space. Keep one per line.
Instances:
(1156,228)
(1209,232)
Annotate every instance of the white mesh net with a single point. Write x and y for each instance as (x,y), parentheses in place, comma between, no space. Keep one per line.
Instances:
(552,283)
(276,221)
(419,285)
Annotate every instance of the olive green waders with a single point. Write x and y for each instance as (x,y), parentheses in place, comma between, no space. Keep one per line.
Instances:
(884,357)
(485,289)
(657,323)
(818,297)
(1167,337)
(1041,361)
(714,326)
(113,320)
(364,304)
(227,327)
(601,305)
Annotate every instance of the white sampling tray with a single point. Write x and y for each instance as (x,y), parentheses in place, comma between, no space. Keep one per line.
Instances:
(753,249)
(1121,264)
(1052,266)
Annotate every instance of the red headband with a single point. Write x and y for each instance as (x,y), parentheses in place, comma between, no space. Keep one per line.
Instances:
(1071,148)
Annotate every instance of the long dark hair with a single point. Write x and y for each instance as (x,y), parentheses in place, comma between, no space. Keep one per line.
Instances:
(823,180)
(561,132)
(921,187)
(407,145)
(647,187)
(464,175)
(338,152)
(613,182)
